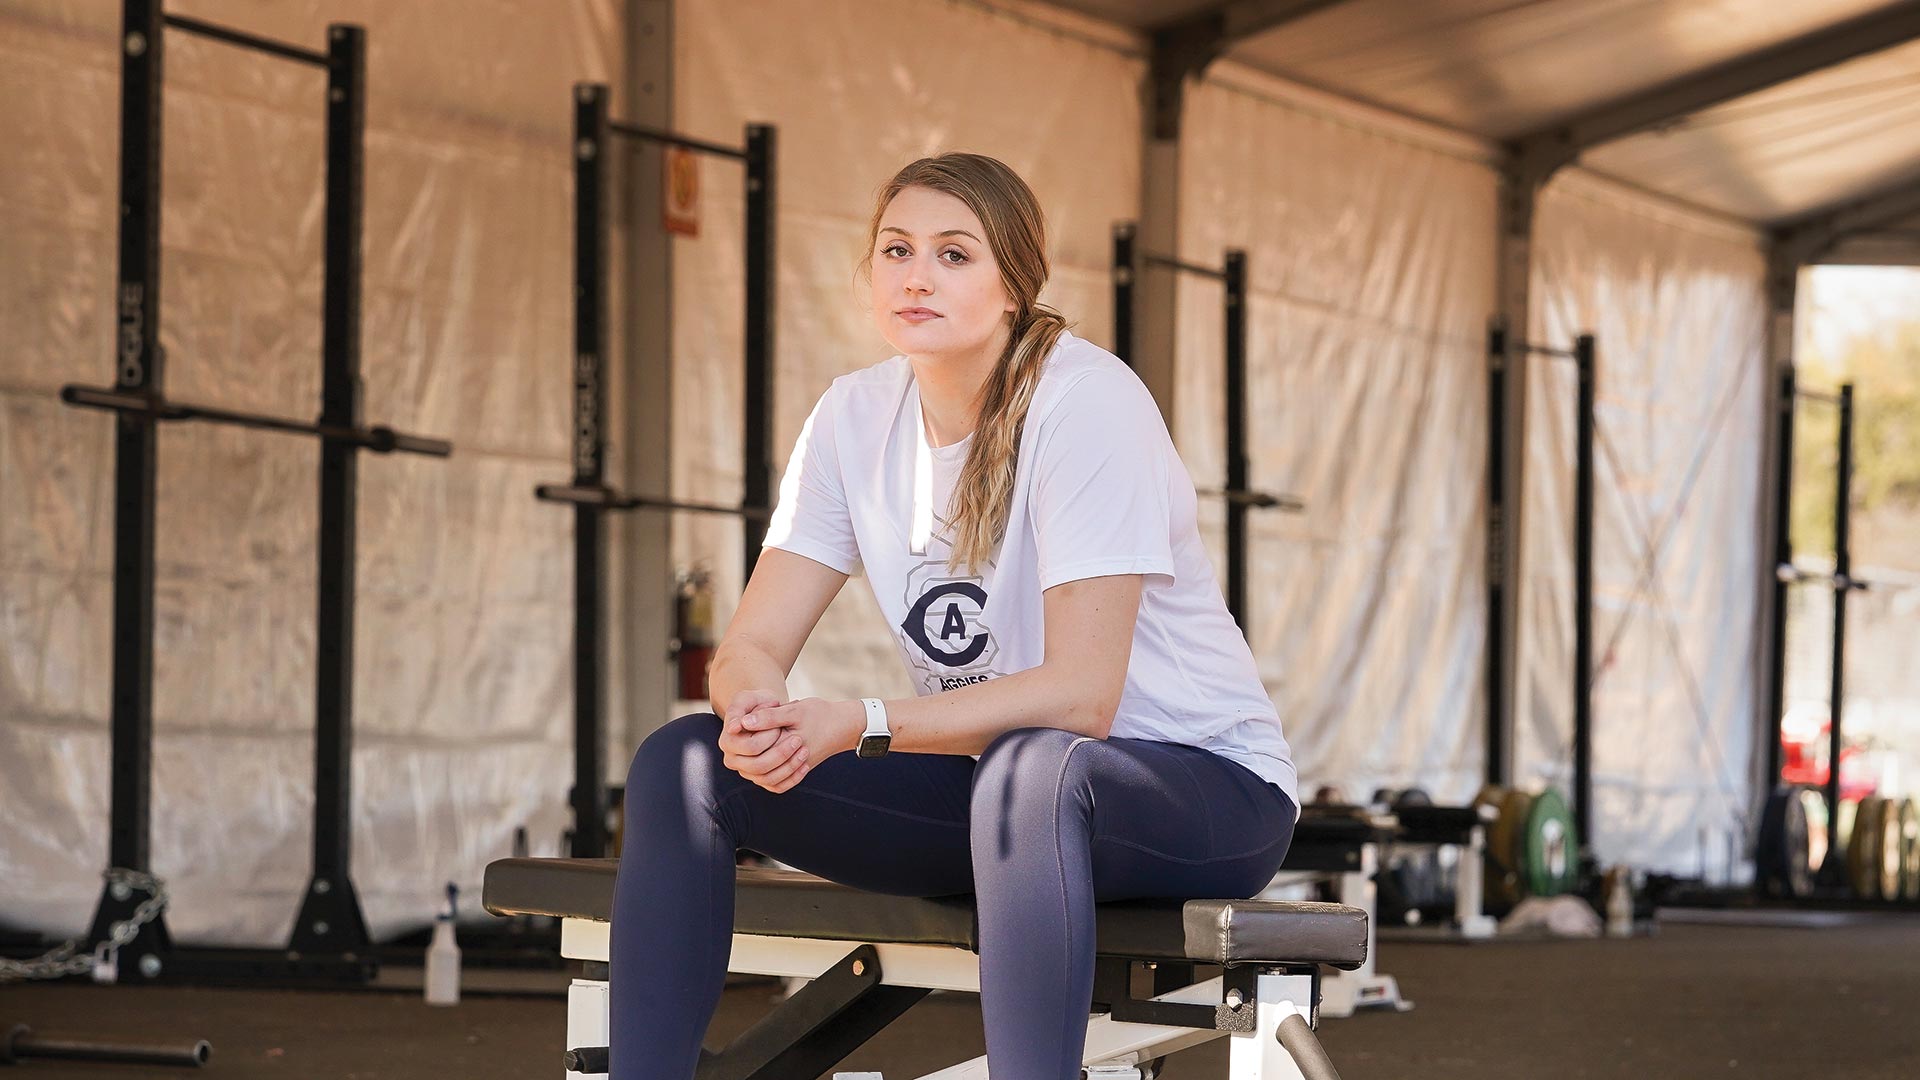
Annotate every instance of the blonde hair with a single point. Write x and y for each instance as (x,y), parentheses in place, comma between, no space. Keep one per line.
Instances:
(1017,235)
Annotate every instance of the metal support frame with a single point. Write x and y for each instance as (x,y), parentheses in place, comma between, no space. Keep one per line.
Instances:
(1776,705)
(1499,756)
(1545,151)
(330,919)
(1532,159)
(1179,51)
(1128,258)
(589,492)
(589,834)
(757,421)
(642,668)
(139,365)
(1501,352)
(1184,48)
(1842,570)
(856,989)
(1124,277)
(329,937)
(1583,673)
(1795,244)
(1238,469)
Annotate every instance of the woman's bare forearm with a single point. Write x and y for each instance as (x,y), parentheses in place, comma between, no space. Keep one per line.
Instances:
(741,664)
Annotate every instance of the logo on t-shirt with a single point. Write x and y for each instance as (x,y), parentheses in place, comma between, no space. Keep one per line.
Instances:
(951,646)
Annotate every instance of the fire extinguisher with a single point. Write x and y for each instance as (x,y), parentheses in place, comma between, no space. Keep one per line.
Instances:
(693,632)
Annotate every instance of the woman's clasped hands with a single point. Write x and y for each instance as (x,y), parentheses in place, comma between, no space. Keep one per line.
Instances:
(776,744)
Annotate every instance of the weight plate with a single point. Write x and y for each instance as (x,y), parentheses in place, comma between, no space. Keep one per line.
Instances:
(1771,854)
(1549,845)
(1412,796)
(1502,883)
(1843,826)
(1863,849)
(1792,842)
(1910,851)
(1804,870)
(1893,845)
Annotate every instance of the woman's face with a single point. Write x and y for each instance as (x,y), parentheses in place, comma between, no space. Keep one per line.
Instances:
(936,285)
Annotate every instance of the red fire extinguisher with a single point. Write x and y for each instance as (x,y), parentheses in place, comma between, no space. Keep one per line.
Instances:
(693,632)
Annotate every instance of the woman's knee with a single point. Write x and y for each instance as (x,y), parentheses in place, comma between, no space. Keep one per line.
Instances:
(680,749)
(1028,749)
(1029,766)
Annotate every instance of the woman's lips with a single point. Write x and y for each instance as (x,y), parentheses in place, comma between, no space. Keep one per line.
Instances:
(917,315)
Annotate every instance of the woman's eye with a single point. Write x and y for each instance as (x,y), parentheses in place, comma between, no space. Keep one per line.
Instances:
(956,251)
(891,248)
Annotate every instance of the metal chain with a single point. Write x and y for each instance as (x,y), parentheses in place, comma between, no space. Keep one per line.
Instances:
(103,962)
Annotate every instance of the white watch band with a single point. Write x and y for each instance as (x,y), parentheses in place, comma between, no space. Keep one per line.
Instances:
(876,717)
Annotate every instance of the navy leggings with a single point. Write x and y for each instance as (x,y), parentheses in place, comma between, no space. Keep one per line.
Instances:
(1043,825)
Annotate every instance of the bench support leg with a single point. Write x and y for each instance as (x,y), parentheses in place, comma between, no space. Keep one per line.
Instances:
(1261,1054)
(818,1026)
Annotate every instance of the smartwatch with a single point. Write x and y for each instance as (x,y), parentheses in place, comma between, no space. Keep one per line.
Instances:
(874,741)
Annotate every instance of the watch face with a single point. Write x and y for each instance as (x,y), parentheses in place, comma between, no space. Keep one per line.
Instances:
(873,745)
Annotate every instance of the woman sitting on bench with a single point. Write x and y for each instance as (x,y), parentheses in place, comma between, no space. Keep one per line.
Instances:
(1088,724)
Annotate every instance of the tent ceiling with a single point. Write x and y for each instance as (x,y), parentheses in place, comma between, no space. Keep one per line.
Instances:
(1504,68)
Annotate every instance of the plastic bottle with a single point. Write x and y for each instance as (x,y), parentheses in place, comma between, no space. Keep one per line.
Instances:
(1620,905)
(443,956)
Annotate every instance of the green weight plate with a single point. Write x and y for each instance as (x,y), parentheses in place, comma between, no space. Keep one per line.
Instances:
(1550,861)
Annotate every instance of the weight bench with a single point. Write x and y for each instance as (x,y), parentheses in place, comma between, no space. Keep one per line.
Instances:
(870,957)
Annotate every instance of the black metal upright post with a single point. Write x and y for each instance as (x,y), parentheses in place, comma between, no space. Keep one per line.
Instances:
(139,367)
(330,921)
(590,134)
(1496,770)
(1782,557)
(1583,599)
(1238,468)
(757,434)
(1123,281)
(1842,584)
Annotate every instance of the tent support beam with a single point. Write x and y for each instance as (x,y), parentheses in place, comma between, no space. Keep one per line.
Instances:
(1182,50)
(1547,150)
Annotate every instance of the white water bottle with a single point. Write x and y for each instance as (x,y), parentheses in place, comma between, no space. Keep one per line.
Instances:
(1620,905)
(443,956)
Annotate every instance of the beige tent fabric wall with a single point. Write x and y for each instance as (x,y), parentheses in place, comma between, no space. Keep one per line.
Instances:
(859,88)
(1370,262)
(461,688)
(1676,302)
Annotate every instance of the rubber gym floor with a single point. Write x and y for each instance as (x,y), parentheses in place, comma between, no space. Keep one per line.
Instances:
(1691,1001)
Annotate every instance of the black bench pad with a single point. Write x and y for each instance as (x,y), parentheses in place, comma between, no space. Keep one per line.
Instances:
(786,903)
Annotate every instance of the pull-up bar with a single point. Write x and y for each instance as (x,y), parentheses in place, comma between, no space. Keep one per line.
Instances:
(245,40)
(378,438)
(671,138)
(1237,492)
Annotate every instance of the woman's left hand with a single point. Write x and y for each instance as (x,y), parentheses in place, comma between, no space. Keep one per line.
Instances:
(825,728)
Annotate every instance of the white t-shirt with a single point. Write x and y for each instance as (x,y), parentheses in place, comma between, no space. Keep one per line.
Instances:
(1098,490)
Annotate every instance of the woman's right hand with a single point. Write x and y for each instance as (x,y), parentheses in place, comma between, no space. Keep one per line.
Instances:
(769,757)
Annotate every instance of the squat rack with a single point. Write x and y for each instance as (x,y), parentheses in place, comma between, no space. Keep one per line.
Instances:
(1583,358)
(329,938)
(1232,273)
(1840,580)
(589,493)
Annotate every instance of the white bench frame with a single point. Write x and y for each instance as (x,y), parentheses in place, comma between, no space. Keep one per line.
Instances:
(1115,1049)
